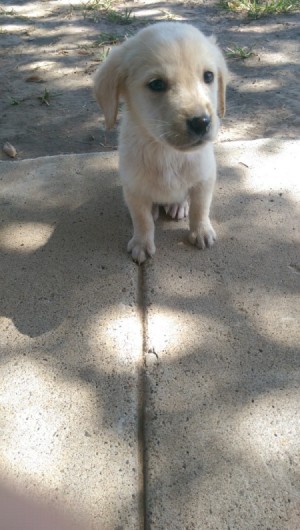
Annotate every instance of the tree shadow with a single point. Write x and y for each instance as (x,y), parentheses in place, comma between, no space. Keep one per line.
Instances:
(225,364)
(69,376)
(222,393)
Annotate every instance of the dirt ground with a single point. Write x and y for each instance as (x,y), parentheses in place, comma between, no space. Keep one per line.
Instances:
(50,49)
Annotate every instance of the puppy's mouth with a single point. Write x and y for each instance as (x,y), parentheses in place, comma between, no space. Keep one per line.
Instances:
(197,131)
(194,144)
(190,145)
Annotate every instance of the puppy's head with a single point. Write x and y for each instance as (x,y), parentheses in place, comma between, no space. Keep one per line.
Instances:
(173,80)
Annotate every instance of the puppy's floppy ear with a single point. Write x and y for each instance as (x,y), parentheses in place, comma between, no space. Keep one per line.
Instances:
(108,82)
(223,76)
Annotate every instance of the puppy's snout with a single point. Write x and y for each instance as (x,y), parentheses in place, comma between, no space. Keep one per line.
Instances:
(199,125)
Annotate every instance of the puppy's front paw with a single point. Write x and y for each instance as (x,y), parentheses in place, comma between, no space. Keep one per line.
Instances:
(141,249)
(177,210)
(204,236)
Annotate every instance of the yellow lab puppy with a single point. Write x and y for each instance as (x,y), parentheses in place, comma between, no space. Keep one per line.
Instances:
(173,81)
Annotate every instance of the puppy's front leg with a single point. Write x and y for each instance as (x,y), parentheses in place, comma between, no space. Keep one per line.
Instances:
(201,233)
(142,242)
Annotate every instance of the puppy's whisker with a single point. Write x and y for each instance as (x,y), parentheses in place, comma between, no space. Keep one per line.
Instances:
(162,125)
(169,135)
(163,135)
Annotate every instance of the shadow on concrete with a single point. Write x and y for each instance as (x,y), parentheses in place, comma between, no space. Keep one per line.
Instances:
(237,296)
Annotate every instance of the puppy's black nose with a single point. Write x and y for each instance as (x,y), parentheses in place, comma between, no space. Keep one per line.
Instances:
(199,124)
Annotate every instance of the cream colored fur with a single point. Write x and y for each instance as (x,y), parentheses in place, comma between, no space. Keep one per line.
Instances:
(163,160)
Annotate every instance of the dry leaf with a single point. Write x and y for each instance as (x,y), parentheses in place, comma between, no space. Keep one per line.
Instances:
(9,150)
(34,79)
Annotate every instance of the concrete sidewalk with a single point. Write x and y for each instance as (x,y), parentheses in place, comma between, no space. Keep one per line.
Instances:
(164,397)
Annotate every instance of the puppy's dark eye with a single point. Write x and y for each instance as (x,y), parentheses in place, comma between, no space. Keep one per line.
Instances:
(208,77)
(157,85)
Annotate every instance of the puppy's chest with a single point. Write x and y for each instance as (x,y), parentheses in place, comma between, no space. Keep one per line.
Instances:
(164,178)
(168,184)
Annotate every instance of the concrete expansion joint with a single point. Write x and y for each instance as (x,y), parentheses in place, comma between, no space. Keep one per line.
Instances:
(142,400)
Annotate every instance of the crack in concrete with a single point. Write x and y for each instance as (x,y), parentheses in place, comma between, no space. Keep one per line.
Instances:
(142,391)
